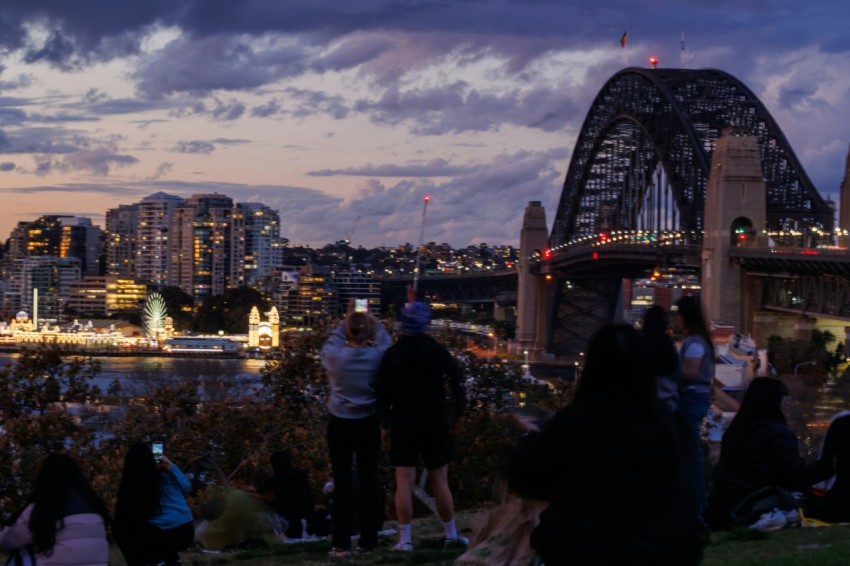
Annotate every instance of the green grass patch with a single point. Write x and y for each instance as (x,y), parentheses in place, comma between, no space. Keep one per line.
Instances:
(828,546)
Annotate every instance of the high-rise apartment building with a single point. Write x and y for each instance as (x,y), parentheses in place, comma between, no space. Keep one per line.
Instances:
(153,249)
(81,239)
(51,276)
(207,246)
(122,227)
(263,244)
(58,236)
(351,284)
(105,296)
(314,299)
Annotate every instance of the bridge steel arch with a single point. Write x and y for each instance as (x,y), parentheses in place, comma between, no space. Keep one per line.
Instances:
(642,161)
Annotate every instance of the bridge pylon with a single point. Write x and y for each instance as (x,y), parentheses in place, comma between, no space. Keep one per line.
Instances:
(735,216)
(531,295)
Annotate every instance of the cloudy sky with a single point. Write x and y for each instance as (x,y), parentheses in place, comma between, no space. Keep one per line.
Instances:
(334,110)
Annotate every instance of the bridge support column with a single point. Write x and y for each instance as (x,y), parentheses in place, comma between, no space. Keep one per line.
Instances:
(531,296)
(735,215)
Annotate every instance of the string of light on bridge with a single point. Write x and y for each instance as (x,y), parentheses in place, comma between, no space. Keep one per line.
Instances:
(776,238)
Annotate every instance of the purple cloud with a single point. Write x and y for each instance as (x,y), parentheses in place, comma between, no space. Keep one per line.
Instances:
(96,161)
(196,146)
(437,167)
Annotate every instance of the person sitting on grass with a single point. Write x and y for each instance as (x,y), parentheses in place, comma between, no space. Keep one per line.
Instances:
(153,522)
(833,469)
(64,523)
(758,450)
(613,466)
(288,491)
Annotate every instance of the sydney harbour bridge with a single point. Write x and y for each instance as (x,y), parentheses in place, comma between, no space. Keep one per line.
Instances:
(645,188)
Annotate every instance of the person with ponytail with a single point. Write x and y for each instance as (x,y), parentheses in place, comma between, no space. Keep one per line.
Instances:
(695,387)
(351,360)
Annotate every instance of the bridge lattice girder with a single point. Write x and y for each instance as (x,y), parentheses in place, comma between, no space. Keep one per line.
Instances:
(814,295)
(643,119)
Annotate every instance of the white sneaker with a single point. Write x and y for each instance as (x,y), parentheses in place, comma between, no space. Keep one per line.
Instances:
(772,521)
(402,547)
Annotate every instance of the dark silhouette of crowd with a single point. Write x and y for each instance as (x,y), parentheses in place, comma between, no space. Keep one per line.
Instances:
(614,465)
(615,477)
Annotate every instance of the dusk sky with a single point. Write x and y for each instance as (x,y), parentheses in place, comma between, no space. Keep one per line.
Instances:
(330,110)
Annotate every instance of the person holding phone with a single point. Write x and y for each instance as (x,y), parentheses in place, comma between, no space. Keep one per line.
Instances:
(351,362)
(153,522)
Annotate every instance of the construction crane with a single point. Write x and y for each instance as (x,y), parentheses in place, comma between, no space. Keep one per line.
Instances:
(425,200)
(350,234)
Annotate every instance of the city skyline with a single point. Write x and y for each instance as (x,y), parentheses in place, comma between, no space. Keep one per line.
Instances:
(331,112)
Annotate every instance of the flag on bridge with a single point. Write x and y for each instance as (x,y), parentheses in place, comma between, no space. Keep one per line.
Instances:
(624,39)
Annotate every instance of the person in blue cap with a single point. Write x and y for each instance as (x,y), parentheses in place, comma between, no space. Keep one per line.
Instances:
(416,417)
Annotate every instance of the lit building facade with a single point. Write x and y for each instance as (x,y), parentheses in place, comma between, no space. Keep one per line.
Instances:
(50,276)
(122,227)
(263,244)
(105,296)
(355,285)
(81,239)
(313,299)
(207,246)
(153,243)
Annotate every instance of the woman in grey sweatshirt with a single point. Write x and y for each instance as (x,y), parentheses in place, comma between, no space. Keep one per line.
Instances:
(351,361)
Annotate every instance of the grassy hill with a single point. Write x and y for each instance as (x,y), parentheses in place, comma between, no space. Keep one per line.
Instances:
(828,546)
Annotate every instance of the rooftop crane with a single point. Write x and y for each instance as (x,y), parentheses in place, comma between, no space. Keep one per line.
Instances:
(350,234)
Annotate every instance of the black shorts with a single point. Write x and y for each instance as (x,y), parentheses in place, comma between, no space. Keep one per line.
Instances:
(433,443)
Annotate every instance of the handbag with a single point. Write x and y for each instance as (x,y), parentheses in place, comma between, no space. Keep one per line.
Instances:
(502,535)
(761,501)
(21,556)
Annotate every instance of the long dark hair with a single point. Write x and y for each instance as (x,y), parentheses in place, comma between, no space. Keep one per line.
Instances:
(617,362)
(662,352)
(60,489)
(690,309)
(139,490)
(762,404)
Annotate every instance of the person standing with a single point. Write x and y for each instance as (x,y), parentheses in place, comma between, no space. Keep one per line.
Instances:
(697,355)
(351,363)
(416,419)
(153,522)
(662,352)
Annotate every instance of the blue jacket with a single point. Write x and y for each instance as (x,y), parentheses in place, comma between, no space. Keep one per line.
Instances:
(174,511)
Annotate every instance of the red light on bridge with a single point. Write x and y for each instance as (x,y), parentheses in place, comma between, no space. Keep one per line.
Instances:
(653,61)
(595,255)
(547,254)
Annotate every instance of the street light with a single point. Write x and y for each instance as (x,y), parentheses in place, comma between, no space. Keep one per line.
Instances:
(525,368)
(492,347)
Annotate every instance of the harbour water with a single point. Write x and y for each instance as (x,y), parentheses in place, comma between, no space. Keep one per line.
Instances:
(139,369)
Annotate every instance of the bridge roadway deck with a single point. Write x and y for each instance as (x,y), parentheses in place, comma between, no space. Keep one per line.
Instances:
(620,259)
(793,261)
